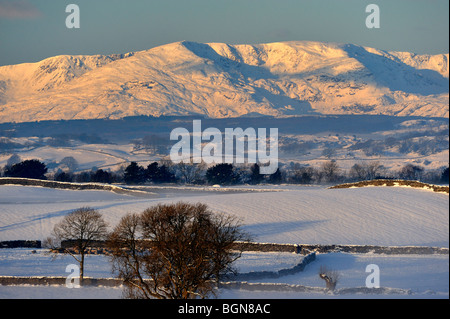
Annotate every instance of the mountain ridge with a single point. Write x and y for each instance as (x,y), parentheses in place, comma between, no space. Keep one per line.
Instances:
(221,80)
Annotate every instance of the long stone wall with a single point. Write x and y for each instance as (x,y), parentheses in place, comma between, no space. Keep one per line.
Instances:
(20,244)
(363,249)
(68,185)
(48,281)
(99,247)
(112,282)
(254,275)
(300,288)
(305,249)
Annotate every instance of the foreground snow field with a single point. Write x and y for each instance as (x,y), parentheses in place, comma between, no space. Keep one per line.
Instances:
(296,215)
(426,276)
(388,216)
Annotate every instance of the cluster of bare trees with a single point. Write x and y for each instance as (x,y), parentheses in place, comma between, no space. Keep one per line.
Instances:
(331,172)
(169,251)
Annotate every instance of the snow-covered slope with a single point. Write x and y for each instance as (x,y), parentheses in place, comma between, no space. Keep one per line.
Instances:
(220,80)
(386,216)
(20,80)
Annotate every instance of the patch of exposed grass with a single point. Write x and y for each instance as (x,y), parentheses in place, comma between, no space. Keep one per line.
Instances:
(394,182)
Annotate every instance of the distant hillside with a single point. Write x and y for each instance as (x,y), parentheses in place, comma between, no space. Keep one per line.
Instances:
(218,80)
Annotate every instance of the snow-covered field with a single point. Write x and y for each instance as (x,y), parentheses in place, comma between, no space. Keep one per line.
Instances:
(426,276)
(309,215)
(388,216)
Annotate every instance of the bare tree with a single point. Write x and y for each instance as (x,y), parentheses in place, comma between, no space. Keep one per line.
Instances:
(303,175)
(81,227)
(358,172)
(330,276)
(374,169)
(411,172)
(330,171)
(174,251)
(191,172)
(70,162)
(366,171)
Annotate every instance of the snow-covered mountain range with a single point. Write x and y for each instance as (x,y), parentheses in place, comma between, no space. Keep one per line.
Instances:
(220,80)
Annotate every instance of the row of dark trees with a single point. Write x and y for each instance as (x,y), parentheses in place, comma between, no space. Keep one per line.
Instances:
(223,174)
(27,169)
(228,174)
(154,173)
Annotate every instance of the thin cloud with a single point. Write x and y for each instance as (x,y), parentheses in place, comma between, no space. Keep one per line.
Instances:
(18,9)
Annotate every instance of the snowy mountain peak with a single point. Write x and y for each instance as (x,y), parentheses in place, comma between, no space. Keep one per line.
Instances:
(222,80)
(61,69)
(51,72)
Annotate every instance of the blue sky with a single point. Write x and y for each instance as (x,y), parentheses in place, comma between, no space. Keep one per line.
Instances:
(31,30)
